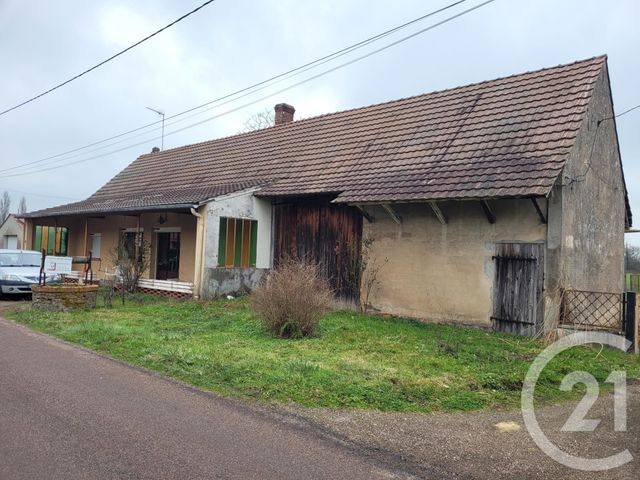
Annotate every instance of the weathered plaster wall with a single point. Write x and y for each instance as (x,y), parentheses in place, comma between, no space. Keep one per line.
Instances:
(445,272)
(217,281)
(238,205)
(11,227)
(587,210)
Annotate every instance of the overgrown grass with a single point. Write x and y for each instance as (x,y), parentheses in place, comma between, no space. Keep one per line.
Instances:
(356,361)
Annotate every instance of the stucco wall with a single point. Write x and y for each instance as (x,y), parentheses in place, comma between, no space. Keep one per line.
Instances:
(441,272)
(222,281)
(10,227)
(587,210)
(238,205)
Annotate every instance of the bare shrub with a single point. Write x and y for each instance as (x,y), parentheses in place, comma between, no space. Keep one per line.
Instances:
(108,288)
(129,269)
(362,275)
(292,299)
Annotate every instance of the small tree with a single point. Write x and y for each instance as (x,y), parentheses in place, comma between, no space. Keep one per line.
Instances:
(5,206)
(22,206)
(362,276)
(292,299)
(370,266)
(632,258)
(129,269)
(258,121)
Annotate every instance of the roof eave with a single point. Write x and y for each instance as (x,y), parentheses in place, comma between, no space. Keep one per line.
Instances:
(115,211)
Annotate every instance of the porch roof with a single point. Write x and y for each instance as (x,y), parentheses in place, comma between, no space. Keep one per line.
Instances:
(171,199)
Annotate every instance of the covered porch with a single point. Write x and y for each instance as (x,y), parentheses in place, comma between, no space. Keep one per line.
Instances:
(171,237)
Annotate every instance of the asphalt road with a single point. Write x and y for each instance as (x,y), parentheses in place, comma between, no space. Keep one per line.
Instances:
(67,413)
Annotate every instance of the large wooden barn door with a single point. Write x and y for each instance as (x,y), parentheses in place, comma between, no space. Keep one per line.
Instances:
(517,288)
(325,233)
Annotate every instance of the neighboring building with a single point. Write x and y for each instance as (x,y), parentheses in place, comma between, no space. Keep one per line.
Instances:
(11,232)
(485,200)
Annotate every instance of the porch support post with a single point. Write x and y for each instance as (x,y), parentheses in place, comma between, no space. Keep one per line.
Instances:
(543,219)
(491,217)
(137,242)
(365,214)
(396,218)
(86,236)
(436,210)
(199,260)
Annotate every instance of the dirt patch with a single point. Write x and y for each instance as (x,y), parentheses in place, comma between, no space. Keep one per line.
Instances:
(469,445)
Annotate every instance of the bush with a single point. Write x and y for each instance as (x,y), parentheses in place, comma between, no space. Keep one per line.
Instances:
(293,299)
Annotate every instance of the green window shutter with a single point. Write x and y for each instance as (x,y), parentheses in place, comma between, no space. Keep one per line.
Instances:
(37,241)
(237,258)
(64,236)
(222,242)
(51,244)
(254,243)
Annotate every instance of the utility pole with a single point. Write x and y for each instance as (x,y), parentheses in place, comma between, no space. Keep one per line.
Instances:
(159,113)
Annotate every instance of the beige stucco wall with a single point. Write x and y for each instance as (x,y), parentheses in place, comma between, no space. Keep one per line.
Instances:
(110,227)
(11,227)
(444,273)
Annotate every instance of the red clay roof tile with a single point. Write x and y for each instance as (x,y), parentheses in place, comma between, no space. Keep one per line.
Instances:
(507,137)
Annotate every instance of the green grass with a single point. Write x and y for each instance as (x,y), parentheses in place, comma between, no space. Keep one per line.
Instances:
(357,361)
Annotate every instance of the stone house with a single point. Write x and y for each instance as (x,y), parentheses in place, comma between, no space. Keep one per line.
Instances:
(482,202)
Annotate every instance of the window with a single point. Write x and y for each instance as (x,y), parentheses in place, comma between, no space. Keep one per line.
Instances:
(128,240)
(11,241)
(95,244)
(52,239)
(237,242)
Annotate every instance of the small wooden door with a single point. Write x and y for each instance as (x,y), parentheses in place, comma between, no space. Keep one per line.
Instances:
(168,255)
(517,288)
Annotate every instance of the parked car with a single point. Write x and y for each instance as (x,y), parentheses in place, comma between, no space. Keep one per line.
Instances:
(19,269)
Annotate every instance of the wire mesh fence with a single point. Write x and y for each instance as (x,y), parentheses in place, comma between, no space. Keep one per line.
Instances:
(593,310)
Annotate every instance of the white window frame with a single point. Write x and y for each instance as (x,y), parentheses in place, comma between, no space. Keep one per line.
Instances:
(93,237)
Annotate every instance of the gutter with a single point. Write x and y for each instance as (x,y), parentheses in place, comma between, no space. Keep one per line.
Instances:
(150,208)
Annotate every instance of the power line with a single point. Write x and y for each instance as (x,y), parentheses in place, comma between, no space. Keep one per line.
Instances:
(251,89)
(108,59)
(39,194)
(621,114)
(321,74)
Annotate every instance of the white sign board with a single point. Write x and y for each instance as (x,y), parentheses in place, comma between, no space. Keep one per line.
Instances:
(57,264)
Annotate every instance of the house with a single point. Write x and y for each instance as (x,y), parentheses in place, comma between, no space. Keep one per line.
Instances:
(11,232)
(483,202)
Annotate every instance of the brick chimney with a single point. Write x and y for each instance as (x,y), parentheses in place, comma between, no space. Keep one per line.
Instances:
(284,113)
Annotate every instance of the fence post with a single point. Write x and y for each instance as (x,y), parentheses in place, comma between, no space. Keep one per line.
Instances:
(636,340)
(631,320)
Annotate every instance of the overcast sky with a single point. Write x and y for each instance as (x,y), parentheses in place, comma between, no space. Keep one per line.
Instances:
(231,44)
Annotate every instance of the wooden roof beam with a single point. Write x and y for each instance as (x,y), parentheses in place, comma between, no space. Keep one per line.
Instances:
(364,213)
(491,217)
(541,214)
(396,218)
(438,213)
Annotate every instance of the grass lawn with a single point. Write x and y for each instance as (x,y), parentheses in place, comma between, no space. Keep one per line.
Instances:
(357,361)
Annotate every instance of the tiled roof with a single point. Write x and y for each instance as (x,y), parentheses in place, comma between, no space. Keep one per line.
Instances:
(170,198)
(507,137)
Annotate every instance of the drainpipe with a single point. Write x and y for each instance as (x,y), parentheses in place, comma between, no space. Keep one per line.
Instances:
(200,227)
